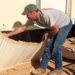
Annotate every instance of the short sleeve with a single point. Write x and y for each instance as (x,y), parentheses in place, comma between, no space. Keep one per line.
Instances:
(52,20)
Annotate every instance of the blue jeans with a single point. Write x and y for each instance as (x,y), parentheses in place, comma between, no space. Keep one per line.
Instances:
(55,44)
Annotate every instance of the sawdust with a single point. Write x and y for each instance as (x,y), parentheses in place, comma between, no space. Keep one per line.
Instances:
(27,67)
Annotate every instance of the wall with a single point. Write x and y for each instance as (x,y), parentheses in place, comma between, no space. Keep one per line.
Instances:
(73,11)
(10,11)
(53,4)
(61,5)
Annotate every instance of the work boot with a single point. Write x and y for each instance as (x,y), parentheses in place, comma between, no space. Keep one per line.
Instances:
(56,72)
(38,71)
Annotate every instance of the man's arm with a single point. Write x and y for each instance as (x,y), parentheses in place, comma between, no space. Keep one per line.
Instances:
(17,31)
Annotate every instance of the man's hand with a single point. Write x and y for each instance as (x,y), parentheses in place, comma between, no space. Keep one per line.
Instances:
(53,30)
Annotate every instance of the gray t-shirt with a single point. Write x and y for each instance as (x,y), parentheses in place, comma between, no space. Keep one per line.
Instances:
(48,17)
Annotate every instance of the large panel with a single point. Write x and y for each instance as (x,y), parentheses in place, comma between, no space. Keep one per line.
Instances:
(58,4)
(10,11)
(73,10)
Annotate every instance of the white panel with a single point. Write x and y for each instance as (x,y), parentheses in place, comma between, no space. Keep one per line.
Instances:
(58,4)
(10,11)
(73,10)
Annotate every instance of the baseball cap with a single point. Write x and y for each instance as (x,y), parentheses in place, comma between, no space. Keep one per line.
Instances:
(29,8)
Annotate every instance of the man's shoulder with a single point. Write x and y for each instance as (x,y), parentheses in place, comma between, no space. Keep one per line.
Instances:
(46,9)
(49,10)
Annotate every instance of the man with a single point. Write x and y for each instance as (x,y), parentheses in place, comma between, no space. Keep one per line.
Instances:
(59,26)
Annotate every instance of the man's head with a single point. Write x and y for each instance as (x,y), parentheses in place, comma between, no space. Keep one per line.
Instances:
(31,11)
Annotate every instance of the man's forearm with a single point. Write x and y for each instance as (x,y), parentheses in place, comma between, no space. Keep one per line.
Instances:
(16,31)
(53,30)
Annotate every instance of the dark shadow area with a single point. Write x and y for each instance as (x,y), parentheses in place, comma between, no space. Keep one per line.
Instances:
(35,63)
(30,36)
(37,35)
(72,32)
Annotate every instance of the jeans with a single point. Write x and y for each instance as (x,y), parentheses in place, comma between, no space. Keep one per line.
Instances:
(55,44)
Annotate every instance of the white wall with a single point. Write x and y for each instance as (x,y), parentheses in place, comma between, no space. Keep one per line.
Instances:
(10,11)
(73,10)
(58,4)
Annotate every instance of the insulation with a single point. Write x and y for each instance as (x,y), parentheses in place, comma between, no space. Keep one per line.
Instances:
(14,52)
